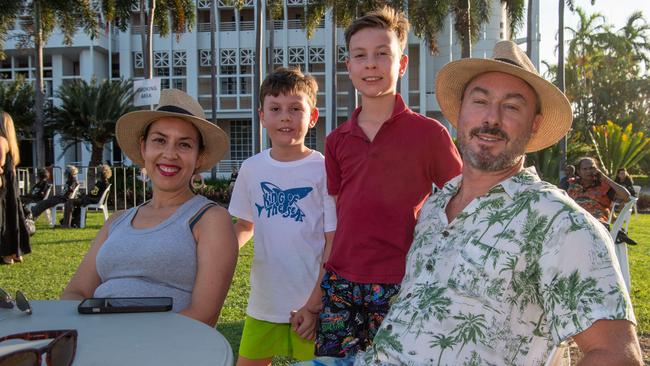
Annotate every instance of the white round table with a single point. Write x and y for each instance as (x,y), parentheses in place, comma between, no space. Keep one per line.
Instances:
(162,338)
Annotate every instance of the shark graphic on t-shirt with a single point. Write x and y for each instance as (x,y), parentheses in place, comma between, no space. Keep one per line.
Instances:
(282,202)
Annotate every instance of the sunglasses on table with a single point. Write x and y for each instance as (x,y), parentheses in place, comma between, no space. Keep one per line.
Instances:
(7,302)
(59,352)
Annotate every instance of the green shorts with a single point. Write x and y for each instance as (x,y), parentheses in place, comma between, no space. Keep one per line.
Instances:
(261,339)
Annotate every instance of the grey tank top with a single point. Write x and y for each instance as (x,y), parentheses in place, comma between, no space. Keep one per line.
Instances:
(156,261)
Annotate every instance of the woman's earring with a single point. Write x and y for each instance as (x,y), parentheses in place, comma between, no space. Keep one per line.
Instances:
(196,182)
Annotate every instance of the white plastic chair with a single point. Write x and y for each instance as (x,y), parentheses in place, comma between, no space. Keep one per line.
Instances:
(45,196)
(623,219)
(59,206)
(100,205)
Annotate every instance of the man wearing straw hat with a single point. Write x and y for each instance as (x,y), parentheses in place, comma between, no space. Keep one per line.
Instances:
(504,268)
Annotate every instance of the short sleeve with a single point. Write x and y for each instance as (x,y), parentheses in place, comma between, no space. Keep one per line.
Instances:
(446,162)
(329,212)
(581,280)
(240,201)
(332,166)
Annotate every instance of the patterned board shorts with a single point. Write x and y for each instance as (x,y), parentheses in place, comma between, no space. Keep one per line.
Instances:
(352,313)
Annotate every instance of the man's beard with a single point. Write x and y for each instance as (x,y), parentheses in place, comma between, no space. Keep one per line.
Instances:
(483,160)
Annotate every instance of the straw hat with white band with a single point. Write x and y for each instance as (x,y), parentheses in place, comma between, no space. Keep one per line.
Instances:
(130,127)
(508,58)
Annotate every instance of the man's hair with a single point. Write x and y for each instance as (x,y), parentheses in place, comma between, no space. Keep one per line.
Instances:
(383,18)
(583,159)
(289,81)
(43,174)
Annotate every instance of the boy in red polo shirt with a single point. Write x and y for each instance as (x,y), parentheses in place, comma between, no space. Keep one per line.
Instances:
(381,165)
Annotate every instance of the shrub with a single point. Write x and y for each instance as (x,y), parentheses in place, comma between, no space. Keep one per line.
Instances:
(643,204)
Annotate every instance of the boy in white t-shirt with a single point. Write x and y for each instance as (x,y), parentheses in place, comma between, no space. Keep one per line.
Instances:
(280,197)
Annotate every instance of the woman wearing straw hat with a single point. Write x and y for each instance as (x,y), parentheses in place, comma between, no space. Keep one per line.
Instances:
(177,244)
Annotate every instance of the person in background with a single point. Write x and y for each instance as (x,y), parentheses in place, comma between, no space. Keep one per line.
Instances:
(569,173)
(624,179)
(69,191)
(280,197)
(73,206)
(381,165)
(14,237)
(595,191)
(506,269)
(178,244)
(40,189)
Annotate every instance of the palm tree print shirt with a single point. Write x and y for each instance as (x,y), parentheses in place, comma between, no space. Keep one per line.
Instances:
(515,274)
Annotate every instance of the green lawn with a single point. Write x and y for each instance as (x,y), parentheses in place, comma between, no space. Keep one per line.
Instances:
(57,253)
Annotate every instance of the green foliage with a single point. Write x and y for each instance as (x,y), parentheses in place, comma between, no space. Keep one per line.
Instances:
(89,111)
(181,13)
(606,71)
(547,161)
(17,99)
(617,147)
(8,15)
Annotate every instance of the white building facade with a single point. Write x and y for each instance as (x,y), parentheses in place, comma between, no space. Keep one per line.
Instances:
(183,61)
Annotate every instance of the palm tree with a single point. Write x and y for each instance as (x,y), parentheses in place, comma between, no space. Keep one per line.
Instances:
(444,342)
(428,19)
(471,329)
(152,13)
(40,18)
(89,111)
(17,99)
(560,70)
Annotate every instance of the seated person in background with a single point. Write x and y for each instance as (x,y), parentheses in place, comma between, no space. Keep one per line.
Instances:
(73,206)
(595,191)
(40,189)
(624,179)
(569,173)
(69,192)
(178,244)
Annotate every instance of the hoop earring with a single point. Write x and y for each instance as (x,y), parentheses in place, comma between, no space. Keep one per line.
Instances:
(194,182)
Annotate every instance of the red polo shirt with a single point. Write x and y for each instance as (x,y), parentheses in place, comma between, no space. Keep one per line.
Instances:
(380,188)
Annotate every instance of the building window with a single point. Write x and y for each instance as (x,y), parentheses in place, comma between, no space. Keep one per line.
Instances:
(316,55)
(241,140)
(297,55)
(138,60)
(310,138)
(278,56)
(342,54)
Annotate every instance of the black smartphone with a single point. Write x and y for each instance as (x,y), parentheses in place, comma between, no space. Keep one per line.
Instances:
(124,305)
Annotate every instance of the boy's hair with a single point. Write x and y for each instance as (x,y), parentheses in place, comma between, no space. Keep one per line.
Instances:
(289,81)
(383,18)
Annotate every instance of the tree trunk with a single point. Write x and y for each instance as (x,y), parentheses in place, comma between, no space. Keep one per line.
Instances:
(257,76)
(466,49)
(213,69)
(529,30)
(150,18)
(560,80)
(143,37)
(271,62)
(39,100)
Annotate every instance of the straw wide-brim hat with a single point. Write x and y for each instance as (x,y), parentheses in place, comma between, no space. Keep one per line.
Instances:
(508,58)
(130,127)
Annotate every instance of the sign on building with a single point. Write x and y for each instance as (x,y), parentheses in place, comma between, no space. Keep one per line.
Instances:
(147,92)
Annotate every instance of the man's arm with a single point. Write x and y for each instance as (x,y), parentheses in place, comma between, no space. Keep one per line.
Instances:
(621,193)
(609,342)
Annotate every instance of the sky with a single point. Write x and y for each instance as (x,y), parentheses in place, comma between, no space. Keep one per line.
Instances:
(616,12)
